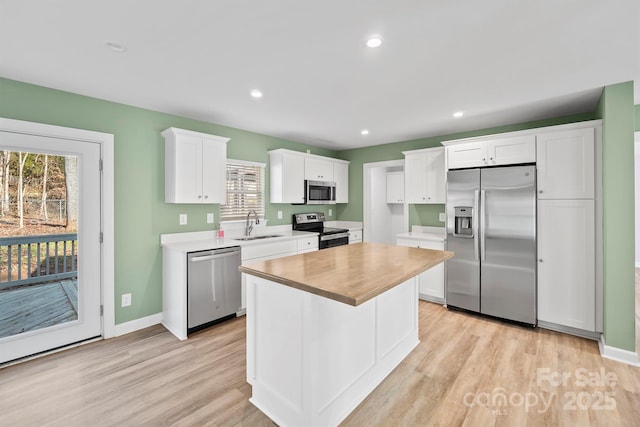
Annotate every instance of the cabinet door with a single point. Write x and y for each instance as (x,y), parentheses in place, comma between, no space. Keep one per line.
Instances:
(511,151)
(355,236)
(292,178)
(286,177)
(435,176)
(395,187)
(341,177)
(566,259)
(318,169)
(566,162)
(431,282)
(187,172)
(214,171)
(467,155)
(415,178)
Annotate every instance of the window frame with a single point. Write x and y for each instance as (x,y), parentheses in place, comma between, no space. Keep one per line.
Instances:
(262,209)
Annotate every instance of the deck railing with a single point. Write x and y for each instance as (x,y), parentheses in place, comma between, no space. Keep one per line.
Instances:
(37,259)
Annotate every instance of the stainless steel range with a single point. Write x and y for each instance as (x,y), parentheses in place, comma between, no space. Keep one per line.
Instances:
(314,222)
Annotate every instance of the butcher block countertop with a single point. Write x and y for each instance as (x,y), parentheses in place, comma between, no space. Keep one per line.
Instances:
(352,274)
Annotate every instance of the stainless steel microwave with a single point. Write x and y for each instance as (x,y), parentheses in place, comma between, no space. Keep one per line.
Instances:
(319,192)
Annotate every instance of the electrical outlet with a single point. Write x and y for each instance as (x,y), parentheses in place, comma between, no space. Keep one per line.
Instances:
(183,219)
(209,218)
(330,212)
(279,214)
(442,217)
(126,300)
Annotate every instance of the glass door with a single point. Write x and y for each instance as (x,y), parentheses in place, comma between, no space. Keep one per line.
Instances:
(50,251)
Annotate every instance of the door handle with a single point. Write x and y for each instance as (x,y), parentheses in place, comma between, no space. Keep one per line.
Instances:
(476,201)
(210,257)
(482,225)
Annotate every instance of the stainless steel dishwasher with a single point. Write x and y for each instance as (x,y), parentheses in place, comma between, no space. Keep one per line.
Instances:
(213,286)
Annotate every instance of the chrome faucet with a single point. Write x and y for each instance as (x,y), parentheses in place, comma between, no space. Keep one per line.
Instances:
(249,226)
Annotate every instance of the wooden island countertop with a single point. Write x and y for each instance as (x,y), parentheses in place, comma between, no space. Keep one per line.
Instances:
(351,274)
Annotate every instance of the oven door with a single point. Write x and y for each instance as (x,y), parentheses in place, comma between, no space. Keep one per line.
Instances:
(319,192)
(332,240)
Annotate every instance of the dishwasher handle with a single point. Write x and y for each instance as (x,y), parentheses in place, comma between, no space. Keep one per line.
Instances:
(214,256)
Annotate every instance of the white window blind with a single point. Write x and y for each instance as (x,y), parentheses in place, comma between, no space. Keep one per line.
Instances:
(245,190)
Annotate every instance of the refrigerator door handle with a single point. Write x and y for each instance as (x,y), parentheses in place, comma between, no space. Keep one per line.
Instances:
(482,225)
(476,200)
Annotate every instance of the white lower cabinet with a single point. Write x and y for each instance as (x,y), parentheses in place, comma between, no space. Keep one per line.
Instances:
(355,236)
(273,250)
(566,264)
(431,282)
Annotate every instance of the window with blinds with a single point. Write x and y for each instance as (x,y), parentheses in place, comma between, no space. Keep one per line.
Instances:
(245,190)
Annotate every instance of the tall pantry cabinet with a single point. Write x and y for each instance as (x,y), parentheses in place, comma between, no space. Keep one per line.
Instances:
(568,297)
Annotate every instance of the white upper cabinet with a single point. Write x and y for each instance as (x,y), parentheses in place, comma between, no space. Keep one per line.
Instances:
(566,164)
(195,167)
(424,174)
(288,170)
(318,168)
(395,187)
(286,176)
(492,152)
(341,178)
(467,155)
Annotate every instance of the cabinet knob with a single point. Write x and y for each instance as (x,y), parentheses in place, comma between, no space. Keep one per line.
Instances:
(540,191)
(206,197)
(199,197)
(484,159)
(541,260)
(490,158)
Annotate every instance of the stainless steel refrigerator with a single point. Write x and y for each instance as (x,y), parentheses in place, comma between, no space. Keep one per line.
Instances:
(491,227)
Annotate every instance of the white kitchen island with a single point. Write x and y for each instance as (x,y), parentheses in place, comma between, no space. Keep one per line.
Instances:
(325,328)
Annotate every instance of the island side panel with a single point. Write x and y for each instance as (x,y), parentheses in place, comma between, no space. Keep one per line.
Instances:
(275,349)
(174,292)
(312,360)
(394,329)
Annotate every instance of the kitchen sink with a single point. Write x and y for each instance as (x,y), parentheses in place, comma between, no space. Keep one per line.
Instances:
(266,236)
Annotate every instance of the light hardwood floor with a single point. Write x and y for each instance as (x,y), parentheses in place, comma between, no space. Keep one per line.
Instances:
(462,365)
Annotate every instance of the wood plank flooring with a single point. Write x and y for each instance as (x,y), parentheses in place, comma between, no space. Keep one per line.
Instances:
(37,306)
(457,375)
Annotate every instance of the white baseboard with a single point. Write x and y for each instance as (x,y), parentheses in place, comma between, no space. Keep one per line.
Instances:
(136,325)
(617,354)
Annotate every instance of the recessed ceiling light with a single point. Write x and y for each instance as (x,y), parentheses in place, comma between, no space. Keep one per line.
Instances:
(364,131)
(256,93)
(458,114)
(374,41)
(115,46)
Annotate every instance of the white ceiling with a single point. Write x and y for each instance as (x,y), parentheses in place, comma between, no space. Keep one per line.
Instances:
(501,61)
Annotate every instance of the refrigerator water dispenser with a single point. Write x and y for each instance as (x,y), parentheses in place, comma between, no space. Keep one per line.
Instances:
(463,221)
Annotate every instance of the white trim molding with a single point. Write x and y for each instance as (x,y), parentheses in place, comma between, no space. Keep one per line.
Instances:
(617,354)
(137,324)
(106,142)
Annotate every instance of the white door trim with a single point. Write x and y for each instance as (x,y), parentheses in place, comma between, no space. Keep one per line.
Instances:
(366,205)
(106,142)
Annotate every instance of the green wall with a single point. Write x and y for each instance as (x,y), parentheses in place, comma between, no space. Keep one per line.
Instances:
(140,212)
(419,214)
(618,116)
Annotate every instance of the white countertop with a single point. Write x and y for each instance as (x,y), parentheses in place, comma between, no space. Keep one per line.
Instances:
(204,240)
(350,225)
(438,234)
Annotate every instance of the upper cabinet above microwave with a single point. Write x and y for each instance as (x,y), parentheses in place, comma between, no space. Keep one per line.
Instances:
(288,170)
(195,167)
